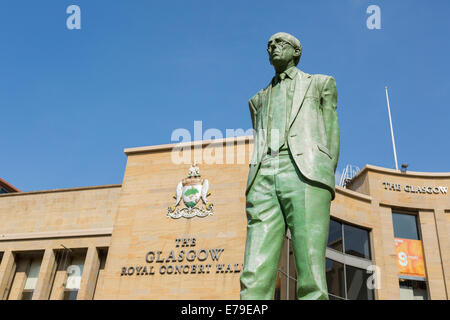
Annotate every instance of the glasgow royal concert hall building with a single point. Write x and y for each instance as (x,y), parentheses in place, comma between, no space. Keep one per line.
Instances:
(176,229)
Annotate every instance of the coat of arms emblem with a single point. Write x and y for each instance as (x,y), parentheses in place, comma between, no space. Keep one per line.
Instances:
(191,189)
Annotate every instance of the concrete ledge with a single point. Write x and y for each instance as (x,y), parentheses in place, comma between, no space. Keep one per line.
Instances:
(353,194)
(56,234)
(61,190)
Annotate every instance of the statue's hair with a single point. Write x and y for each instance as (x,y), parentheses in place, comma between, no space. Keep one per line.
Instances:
(292,40)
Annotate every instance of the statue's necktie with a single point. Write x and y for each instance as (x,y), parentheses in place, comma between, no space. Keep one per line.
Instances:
(278,113)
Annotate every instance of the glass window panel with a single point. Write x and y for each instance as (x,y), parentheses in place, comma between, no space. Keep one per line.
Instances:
(70,294)
(405,226)
(27,294)
(335,278)
(33,274)
(356,241)
(357,284)
(420,290)
(335,235)
(413,290)
(74,271)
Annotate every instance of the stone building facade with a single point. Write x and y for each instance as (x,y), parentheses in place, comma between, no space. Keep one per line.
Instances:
(389,233)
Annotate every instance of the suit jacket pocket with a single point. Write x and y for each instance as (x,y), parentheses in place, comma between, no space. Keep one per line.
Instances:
(324,150)
(311,96)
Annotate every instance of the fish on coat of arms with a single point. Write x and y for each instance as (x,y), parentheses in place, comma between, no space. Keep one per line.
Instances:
(191,189)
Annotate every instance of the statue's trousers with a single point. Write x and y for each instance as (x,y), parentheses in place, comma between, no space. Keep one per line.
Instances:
(281,197)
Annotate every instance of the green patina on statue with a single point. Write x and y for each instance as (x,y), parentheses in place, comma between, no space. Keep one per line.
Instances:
(291,179)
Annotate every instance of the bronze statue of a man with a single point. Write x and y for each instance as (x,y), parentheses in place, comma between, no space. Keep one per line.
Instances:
(291,179)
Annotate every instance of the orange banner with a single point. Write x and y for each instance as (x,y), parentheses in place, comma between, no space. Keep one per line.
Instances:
(409,257)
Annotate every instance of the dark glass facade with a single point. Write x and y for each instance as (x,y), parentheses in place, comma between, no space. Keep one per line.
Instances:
(356,241)
(348,279)
(335,279)
(335,236)
(356,283)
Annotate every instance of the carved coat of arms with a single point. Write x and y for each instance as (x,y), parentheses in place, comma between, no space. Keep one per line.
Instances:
(191,189)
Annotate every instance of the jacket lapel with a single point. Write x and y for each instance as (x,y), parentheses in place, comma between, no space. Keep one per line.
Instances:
(265,106)
(301,86)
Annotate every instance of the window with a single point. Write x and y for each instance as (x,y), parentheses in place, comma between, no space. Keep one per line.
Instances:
(356,281)
(27,294)
(348,257)
(410,260)
(349,239)
(69,269)
(70,294)
(74,272)
(335,236)
(22,282)
(413,290)
(32,276)
(286,287)
(356,241)
(405,226)
(335,279)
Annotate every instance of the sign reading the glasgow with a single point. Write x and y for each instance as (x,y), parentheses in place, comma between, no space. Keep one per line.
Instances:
(415,189)
(185,260)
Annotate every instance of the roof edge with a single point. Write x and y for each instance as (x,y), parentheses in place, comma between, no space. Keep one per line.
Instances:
(353,194)
(9,187)
(61,190)
(202,143)
(369,167)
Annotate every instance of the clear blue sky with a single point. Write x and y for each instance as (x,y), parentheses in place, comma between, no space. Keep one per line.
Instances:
(72,100)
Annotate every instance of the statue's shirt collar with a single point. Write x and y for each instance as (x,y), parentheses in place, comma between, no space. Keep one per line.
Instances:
(290,73)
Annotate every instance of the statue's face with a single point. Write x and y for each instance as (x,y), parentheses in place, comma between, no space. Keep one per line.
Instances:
(281,52)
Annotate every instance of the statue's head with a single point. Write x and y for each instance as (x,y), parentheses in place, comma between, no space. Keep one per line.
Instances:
(284,49)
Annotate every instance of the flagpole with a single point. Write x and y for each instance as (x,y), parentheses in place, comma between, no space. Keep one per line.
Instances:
(392,130)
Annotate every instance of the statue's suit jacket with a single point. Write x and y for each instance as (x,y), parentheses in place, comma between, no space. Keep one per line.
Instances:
(313,130)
